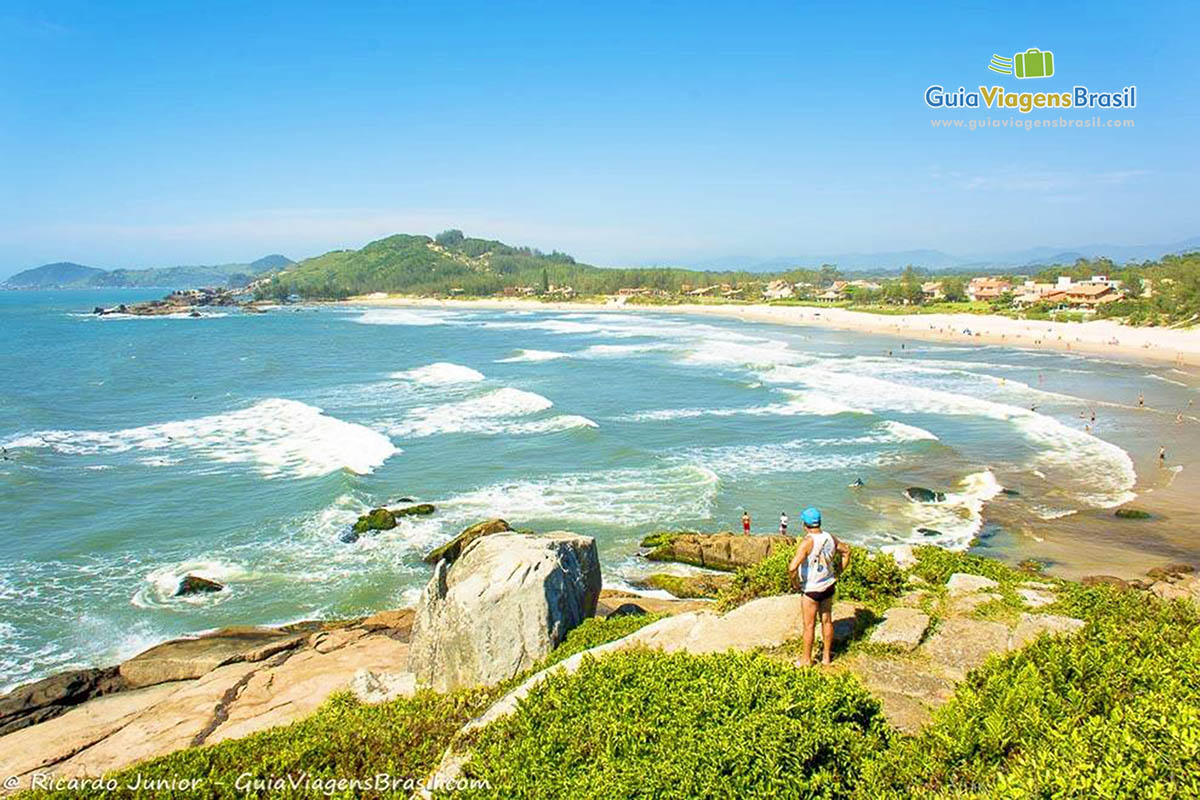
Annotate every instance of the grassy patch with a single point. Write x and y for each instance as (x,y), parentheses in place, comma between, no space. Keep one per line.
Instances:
(593,633)
(648,725)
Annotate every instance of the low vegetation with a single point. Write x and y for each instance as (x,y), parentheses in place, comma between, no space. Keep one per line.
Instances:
(1111,712)
(873,578)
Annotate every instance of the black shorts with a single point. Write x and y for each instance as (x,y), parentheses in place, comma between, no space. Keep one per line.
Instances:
(824,594)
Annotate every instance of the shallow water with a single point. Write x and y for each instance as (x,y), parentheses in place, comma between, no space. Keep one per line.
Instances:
(239,446)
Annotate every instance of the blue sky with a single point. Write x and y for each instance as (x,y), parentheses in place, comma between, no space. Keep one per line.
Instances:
(141,134)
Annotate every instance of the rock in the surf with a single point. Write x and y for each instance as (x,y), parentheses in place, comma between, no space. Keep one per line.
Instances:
(724,551)
(419,510)
(451,549)
(195,584)
(919,494)
(503,604)
(377,519)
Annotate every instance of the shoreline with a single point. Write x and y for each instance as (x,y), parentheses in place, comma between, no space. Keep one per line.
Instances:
(1177,347)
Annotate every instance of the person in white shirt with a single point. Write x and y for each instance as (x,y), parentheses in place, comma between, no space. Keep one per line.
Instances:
(814,571)
(783,520)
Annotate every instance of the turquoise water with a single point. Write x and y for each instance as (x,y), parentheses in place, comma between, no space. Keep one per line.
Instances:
(240,446)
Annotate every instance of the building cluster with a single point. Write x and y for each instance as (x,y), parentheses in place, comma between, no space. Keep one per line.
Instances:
(1066,291)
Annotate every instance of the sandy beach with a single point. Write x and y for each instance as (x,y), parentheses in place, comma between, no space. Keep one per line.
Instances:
(1106,338)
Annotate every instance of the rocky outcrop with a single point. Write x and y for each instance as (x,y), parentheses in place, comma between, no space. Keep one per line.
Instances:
(902,628)
(195,584)
(232,700)
(502,605)
(45,699)
(186,659)
(919,494)
(964,583)
(419,510)
(613,600)
(723,551)
(451,549)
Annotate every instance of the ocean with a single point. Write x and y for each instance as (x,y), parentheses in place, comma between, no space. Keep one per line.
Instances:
(239,446)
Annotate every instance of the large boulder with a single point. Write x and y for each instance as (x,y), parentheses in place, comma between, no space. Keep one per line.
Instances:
(195,584)
(503,604)
(919,494)
(451,549)
(724,551)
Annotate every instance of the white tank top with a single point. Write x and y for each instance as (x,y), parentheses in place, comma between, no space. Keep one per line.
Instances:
(816,573)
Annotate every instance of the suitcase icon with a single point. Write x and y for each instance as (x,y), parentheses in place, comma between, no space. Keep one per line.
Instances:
(1033,63)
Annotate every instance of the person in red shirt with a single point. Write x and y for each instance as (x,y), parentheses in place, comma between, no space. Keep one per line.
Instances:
(745,523)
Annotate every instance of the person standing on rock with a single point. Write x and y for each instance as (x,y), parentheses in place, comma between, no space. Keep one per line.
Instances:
(814,571)
(783,521)
(745,523)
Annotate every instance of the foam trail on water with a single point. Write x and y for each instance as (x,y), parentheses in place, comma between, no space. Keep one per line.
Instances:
(161,583)
(500,411)
(666,495)
(441,373)
(532,355)
(280,437)
(401,316)
(959,518)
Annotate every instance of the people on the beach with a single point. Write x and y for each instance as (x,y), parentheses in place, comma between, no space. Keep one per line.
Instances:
(814,570)
(1162,456)
(1141,400)
(745,523)
(783,522)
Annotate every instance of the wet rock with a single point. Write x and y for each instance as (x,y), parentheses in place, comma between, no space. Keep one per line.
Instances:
(919,494)
(1105,580)
(194,584)
(45,699)
(1169,571)
(451,549)
(929,532)
(1131,513)
(377,519)
(421,510)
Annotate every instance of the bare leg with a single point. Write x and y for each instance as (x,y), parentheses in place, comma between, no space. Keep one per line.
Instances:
(827,628)
(809,607)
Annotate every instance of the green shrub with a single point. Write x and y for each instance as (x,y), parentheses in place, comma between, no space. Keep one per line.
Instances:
(648,725)
(937,565)
(343,739)
(1112,712)
(871,577)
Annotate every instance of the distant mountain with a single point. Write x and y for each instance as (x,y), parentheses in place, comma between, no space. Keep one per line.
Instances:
(892,261)
(66,275)
(50,276)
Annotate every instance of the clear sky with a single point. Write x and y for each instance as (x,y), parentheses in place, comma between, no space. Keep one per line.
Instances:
(151,133)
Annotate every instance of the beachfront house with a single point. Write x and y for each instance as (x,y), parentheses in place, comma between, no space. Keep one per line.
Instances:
(932,290)
(779,290)
(987,289)
(1067,292)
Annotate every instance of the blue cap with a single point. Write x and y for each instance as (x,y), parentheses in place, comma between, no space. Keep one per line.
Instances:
(811,517)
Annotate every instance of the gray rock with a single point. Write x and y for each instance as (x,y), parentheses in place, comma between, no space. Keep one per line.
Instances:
(964,583)
(966,603)
(451,549)
(182,659)
(380,687)
(503,604)
(1033,625)
(961,645)
(1036,598)
(45,699)
(901,627)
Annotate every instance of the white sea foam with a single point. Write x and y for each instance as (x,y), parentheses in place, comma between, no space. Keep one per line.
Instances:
(666,495)
(623,350)
(959,517)
(795,457)
(532,355)
(161,583)
(500,411)
(280,437)
(441,373)
(402,316)
(901,432)
(1102,471)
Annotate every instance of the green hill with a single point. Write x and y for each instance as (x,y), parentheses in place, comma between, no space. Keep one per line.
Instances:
(66,275)
(52,276)
(452,263)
